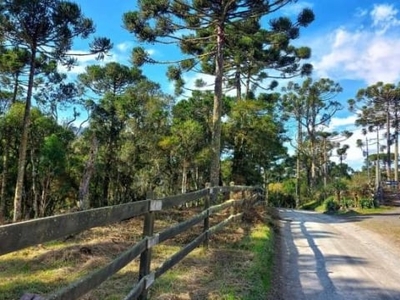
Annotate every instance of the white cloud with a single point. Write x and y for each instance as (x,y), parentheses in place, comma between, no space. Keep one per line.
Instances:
(359,55)
(125,47)
(296,8)
(84,59)
(384,17)
(366,51)
(337,123)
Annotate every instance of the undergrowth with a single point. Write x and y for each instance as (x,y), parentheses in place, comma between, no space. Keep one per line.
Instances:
(237,265)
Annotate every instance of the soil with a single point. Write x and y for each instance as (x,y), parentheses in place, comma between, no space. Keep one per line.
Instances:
(386,224)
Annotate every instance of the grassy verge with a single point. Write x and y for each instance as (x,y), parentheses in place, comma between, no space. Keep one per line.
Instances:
(237,264)
(320,207)
(366,211)
(261,245)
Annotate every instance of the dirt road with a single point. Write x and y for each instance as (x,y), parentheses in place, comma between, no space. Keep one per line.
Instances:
(325,257)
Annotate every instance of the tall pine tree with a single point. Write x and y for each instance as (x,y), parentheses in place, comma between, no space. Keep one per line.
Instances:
(199,27)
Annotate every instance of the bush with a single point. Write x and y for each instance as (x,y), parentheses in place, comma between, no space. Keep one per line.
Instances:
(278,199)
(348,203)
(368,203)
(331,205)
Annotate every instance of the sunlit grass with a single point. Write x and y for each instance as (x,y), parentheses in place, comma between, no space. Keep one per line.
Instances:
(236,265)
(232,271)
(260,272)
(33,270)
(356,211)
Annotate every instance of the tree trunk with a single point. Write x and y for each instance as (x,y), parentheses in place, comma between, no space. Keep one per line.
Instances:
(35,191)
(43,199)
(4,181)
(184,178)
(216,119)
(396,143)
(299,145)
(388,144)
(377,165)
(325,165)
(396,156)
(83,196)
(24,142)
(15,91)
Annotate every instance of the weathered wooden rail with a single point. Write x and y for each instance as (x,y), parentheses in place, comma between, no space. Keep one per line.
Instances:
(14,237)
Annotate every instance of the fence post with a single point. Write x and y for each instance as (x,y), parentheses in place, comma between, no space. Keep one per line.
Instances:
(207,218)
(145,257)
(231,193)
(231,196)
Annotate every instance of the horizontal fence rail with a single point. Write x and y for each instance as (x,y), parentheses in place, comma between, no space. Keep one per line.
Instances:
(17,236)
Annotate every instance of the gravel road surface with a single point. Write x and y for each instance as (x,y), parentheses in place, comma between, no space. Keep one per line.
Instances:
(325,257)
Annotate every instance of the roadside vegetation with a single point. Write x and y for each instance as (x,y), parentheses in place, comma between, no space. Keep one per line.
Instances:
(111,135)
(237,265)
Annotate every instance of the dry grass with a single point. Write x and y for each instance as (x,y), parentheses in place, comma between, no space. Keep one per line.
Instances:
(216,273)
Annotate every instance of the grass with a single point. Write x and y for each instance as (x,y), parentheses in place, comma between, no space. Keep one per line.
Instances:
(261,245)
(46,268)
(237,264)
(320,207)
(367,211)
(312,205)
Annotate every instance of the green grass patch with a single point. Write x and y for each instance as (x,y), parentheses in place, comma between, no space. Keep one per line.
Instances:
(365,211)
(237,266)
(260,271)
(312,205)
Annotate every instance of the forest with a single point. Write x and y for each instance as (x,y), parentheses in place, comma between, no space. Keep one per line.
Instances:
(137,138)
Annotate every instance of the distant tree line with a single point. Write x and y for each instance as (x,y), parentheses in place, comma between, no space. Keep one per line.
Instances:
(111,135)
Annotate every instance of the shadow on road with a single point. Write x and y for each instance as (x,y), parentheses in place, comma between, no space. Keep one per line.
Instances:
(305,272)
(291,283)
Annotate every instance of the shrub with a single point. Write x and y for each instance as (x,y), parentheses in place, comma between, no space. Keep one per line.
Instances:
(348,203)
(331,205)
(281,194)
(368,203)
(278,199)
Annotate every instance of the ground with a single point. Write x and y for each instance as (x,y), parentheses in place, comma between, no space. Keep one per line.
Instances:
(56,264)
(202,275)
(385,222)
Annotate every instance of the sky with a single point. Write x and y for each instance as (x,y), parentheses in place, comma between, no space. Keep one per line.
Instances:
(356,43)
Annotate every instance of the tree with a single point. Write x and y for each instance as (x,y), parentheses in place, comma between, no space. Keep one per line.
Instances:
(44,28)
(207,40)
(108,82)
(198,108)
(10,127)
(331,140)
(183,143)
(57,95)
(312,105)
(383,99)
(255,136)
(49,144)
(13,64)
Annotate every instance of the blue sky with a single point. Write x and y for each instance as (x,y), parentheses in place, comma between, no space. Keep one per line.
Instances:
(355,43)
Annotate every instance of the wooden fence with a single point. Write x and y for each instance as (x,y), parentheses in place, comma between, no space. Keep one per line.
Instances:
(17,236)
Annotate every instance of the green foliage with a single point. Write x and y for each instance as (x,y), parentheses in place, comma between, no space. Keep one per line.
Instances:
(261,244)
(331,205)
(136,138)
(368,203)
(280,195)
(348,203)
